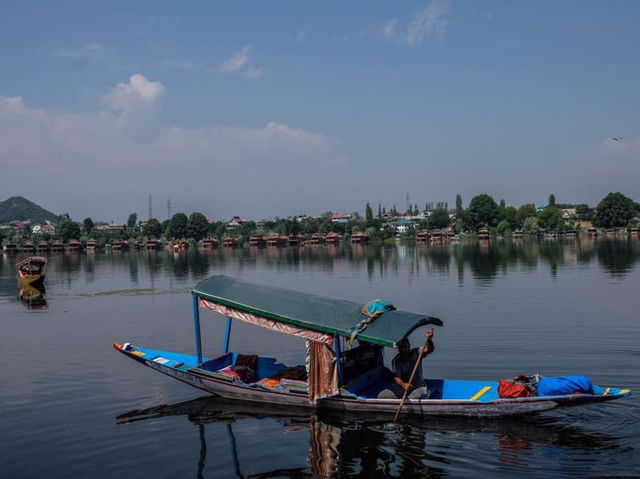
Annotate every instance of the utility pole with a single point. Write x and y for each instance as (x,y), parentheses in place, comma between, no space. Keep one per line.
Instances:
(408,204)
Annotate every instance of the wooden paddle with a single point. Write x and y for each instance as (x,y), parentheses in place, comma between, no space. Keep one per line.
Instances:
(413,373)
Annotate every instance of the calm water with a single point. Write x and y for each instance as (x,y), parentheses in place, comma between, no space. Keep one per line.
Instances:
(71,406)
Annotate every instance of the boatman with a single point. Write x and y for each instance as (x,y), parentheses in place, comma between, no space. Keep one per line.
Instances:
(403,365)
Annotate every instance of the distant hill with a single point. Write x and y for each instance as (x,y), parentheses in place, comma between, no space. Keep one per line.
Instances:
(19,208)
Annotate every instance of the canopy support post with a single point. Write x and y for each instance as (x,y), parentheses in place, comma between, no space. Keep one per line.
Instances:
(336,350)
(196,326)
(227,336)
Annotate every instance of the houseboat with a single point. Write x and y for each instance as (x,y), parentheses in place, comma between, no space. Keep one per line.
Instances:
(275,239)
(422,237)
(28,247)
(43,247)
(153,245)
(435,237)
(73,246)
(359,237)
(256,240)
(633,231)
(317,238)
(296,240)
(209,243)
(10,248)
(333,238)
(335,377)
(483,234)
(120,245)
(230,242)
(517,234)
(31,270)
(92,245)
(592,231)
(57,247)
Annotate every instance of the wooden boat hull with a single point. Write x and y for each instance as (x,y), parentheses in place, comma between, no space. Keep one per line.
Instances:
(178,367)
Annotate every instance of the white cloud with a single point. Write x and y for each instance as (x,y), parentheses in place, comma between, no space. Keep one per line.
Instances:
(237,61)
(254,72)
(90,51)
(301,36)
(139,91)
(429,22)
(92,164)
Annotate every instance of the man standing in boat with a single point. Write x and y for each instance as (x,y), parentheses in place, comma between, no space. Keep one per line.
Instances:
(403,365)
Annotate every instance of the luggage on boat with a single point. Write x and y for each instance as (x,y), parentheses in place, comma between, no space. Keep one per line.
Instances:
(562,385)
(519,387)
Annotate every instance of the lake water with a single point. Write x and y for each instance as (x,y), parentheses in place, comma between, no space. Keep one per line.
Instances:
(72,406)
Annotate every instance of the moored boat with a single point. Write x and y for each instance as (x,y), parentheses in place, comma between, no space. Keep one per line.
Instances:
(335,378)
(31,270)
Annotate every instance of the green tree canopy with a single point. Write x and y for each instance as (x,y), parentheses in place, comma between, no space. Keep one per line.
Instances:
(526,211)
(152,228)
(87,225)
(510,215)
(439,218)
(368,214)
(458,203)
(132,220)
(69,229)
(550,218)
(178,226)
(484,211)
(614,210)
(530,225)
(552,200)
(197,226)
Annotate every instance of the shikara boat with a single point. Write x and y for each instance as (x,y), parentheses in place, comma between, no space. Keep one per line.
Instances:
(31,270)
(335,377)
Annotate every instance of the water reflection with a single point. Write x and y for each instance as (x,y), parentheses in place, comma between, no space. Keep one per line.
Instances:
(340,445)
(32,297)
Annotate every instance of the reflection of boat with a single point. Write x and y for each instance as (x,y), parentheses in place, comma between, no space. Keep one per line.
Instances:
(31,270)
(351,383)
(342,445)
(32,297)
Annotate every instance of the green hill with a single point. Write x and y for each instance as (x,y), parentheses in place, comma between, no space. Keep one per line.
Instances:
(19,208)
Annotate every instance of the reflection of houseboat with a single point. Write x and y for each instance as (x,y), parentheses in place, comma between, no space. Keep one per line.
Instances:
(92,245)
(230,242)
(337,378)
(451,235)
(10,248)
(181,245)
(43,246)
(359,237)
(333,238)
(209,243)
(31,270)
(256,240)
(73,246)
(483,234)
(57,247)
(422,237)
(295,240)
(120,245)
(153,245)
(28,247)
(317,238)
(32,297)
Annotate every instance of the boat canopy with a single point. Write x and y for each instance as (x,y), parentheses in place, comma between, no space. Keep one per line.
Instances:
(309,311)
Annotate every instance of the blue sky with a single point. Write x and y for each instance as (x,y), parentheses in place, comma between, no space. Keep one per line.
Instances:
(280,108)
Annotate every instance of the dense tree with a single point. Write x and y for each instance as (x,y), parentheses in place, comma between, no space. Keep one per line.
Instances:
(503,228)
(503,204)
(484,211)
(87,225)
(614,210)
(552,200)
(510,215)
(458,203)
(152,228)
(439,218)
(132,220)
(69,229)
(550,219)
(178,226)
(197,226)
(526,211)
(368,214)
(379,210)
(530,225)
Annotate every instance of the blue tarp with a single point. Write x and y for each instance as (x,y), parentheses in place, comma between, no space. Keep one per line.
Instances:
(562,385)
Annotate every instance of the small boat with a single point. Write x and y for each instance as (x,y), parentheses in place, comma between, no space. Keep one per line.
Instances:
(32,297)
(31,270)
(335,377)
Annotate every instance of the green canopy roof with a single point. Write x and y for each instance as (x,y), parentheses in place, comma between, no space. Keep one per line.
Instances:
(316,313)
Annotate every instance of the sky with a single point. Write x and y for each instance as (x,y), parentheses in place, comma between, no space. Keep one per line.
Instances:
(265,109)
